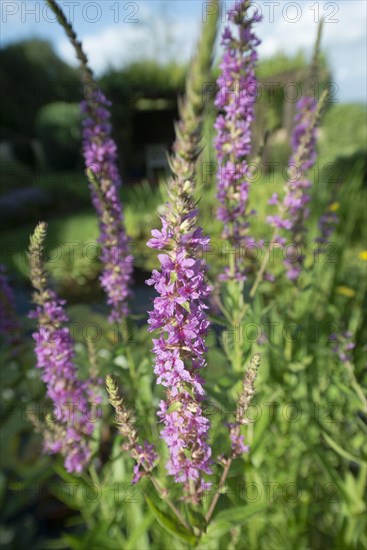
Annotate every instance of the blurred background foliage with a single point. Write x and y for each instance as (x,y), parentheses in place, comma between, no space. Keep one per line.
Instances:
(308,446)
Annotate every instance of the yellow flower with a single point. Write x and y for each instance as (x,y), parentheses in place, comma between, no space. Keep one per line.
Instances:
(363,255)
(346,291)
(334,206)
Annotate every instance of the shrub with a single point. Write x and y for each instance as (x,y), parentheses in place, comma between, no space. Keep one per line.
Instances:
(58,127)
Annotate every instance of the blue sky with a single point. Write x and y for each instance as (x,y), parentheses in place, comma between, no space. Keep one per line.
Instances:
(115,32)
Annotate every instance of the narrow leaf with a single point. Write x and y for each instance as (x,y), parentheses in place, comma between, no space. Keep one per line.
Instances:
(170,524)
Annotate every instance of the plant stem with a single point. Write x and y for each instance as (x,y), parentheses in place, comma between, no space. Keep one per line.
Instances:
(357,388)
(263,266)
(217,494)
(164,496)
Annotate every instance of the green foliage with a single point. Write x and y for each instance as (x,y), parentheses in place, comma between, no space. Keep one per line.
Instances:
(59,129)
(303,483)
(144,79)
(344,132)
(281,63)
(45,77)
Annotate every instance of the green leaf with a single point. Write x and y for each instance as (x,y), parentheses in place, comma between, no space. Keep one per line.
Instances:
(173,277)
(240,514)
(341,452)
(196,519)
(225,520)
(260,428)
(190,390)
(228,381)
(171,524)
(217,320)
(215,531)
(73,541)
(186,305)
(137,527)
(220,398)
(131,543)
(175,406)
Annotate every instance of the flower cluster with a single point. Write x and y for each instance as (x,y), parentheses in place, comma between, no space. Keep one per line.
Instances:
(179,313)
(70,430)
(294,210)
(100,154)
(180,309)
(236,99)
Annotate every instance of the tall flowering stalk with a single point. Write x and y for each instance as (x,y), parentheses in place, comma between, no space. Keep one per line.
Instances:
(294,210)
(180,310)
(70,430)
(236,97)
(244,401)
(238,446)
(100,155)
(144,455)
(329,219)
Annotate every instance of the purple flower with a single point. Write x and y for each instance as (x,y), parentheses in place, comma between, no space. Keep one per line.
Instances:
(100,155)
(180,315)
(343,346)
(274,199)
(236,100)
(293,211)
(145,458)
(179,312)
(144,455)
(69,431)
(237,441)
(70,396)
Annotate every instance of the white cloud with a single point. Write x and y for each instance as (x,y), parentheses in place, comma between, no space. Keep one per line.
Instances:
(152,37)
(167,37)
(343,27)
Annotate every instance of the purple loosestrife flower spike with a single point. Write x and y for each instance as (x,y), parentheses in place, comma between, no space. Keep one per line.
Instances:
(293,211)
(180,310)
(327,224)
(10,326)
(71,430)
(244,401)
(100,155)
(144,455)
(236,99)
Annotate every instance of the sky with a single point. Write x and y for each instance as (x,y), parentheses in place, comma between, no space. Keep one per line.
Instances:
(115,32)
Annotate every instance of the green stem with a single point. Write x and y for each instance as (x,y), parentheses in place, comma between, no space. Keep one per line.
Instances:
(164,496)
(263,266)
(213,503)
(357,388)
